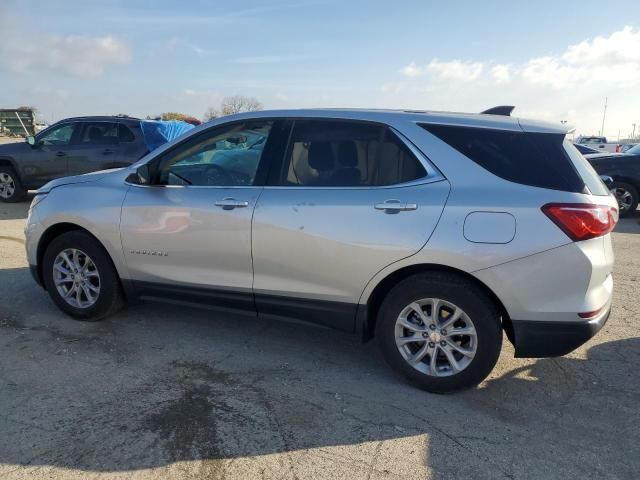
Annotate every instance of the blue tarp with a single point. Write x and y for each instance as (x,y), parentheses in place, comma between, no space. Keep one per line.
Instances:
(159,132)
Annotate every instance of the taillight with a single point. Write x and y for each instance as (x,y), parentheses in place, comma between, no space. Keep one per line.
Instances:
(618,148)
(582,221)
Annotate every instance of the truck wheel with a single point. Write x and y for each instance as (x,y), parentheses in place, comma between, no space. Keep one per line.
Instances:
(440,331)
(11,189)
(627,197)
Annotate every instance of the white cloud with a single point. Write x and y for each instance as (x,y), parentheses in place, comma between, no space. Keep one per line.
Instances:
(569,84)
(451,70)
(81,56)
(412,70)
(501,73)
(455,70)
(607,61)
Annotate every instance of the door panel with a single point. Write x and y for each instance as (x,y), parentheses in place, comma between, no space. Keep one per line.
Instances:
(326,244)
(177,235)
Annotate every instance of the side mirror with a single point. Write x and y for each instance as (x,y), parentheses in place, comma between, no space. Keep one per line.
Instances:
(606,179)
(31,140)
(141,176)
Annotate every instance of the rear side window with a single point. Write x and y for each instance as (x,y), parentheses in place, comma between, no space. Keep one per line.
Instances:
(99,133)
(536,159)
(333,153)
(591,179)
(124,134)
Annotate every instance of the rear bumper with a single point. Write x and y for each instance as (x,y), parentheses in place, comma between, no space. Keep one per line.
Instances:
(537,339)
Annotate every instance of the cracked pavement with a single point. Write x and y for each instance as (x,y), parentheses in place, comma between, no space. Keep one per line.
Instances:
(162,391)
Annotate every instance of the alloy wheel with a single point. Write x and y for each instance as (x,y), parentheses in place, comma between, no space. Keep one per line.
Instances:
(436,337)
(7,185)
(76,278)
(624,198)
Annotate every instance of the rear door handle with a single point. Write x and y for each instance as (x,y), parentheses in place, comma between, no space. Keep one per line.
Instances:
(394,206)
(61,154)
(231,203)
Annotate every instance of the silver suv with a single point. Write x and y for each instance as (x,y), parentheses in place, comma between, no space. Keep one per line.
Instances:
(433,232)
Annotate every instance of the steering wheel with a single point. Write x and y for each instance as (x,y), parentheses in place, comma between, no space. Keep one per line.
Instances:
(216,175)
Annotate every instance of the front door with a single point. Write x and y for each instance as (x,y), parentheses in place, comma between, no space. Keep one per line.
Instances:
(48,158)
(188,234)
(350,199)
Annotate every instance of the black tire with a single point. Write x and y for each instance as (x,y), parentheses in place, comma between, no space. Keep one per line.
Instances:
(19,192)
(110,297)
(457,290)
(623,186)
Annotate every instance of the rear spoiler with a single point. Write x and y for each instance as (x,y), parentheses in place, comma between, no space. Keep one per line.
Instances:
(504,110)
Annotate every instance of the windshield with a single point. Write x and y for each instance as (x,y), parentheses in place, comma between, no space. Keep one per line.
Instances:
(634,150)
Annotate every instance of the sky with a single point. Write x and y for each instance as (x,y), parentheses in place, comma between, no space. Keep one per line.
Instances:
(553,60)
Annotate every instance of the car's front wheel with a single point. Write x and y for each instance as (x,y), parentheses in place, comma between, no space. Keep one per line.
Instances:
(11,189)
(440,331)
(80,277)
(627,197)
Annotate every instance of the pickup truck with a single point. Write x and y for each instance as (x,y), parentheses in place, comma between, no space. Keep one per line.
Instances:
(599,143)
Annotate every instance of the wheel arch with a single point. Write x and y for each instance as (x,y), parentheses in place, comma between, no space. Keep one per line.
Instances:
(367,313)
(58,229)
(10,162)
(634,182)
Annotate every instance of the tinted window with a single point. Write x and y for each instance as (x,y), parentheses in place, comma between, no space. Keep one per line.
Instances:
(228,156)
(536,159)
(330,153)
(99,133)
(634,150)
(591,179)
(58,135)
(124,134)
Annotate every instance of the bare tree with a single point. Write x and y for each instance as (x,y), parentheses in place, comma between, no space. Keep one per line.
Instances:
(239,103)
(211,113)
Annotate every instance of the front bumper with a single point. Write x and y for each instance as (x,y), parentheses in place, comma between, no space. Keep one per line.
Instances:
(537,339)
(36,276)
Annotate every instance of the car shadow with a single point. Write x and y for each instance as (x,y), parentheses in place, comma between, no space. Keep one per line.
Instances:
(630,224)
(15,211)
(156,385)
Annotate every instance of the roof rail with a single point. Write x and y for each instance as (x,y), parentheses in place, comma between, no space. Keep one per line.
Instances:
(504,110)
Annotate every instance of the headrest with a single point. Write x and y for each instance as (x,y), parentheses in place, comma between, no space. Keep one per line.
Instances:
(321,156)
(348,154)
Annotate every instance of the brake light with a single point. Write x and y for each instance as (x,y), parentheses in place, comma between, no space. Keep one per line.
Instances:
(581,221)
(618,148)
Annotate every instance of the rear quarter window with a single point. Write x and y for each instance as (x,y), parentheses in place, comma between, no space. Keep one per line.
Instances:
(535,159)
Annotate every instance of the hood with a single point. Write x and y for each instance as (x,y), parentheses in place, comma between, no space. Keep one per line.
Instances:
(87,177)
(13,148)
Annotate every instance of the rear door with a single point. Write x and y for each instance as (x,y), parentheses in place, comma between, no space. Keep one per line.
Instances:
(349,199)
(96,148)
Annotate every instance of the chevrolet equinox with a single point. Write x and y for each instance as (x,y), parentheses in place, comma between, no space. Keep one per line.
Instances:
(431,231)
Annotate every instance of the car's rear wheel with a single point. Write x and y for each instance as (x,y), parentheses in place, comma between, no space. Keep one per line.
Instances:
(80,277)
(11,189)
(440,331)
(627,197)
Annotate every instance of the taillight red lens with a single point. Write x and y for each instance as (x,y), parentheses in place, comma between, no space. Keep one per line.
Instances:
(581,221)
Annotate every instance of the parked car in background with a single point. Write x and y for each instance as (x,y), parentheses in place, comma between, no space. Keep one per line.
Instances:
(624,169)
(393,224)
(80,145)
(598,143)
(70,147)
(625,147)
(583,149)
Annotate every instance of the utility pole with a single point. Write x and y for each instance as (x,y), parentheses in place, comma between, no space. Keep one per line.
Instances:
(633,135)
(604,114)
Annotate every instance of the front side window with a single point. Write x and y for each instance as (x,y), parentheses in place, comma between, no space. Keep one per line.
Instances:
(58,135)
(99,133)
(335,153)
(229,156)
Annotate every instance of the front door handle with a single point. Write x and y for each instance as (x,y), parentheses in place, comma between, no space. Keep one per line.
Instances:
(231,203)
(61,154)
(394,206)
